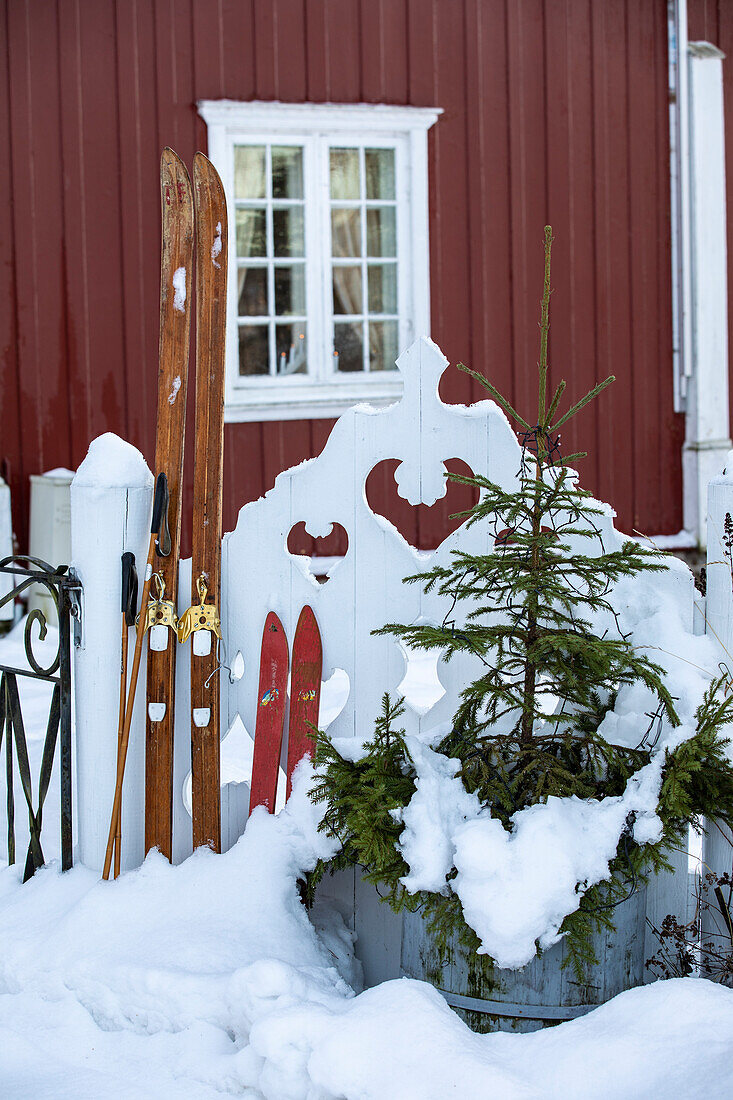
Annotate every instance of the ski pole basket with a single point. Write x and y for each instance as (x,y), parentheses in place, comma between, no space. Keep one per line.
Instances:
(65,590)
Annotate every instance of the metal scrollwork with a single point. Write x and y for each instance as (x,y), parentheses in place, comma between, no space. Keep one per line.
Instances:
(35,572)
(37,616)
(65,591)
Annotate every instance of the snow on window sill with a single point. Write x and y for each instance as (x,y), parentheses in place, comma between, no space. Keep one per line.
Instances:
(308,400)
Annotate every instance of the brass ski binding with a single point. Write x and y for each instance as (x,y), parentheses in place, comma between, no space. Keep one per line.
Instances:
(201,616)
(160,612)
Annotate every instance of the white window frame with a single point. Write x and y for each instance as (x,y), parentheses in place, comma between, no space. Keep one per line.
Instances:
(323,392)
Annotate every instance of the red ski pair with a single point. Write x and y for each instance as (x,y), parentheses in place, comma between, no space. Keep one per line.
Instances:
(305,694)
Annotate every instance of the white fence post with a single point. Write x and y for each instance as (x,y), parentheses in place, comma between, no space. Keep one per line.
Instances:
(707,428)
(110,513)
(717,851)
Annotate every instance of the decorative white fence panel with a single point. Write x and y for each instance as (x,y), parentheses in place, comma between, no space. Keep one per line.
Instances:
(365,588)
(364,591)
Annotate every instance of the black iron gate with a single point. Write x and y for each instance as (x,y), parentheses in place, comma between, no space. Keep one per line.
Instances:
(64,589)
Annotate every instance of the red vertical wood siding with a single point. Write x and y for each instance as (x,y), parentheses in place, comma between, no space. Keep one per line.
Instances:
(554,111)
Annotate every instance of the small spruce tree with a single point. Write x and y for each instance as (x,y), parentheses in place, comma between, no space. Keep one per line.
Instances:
(529,726)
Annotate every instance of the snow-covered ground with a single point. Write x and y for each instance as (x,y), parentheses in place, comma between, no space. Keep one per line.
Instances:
(209,979)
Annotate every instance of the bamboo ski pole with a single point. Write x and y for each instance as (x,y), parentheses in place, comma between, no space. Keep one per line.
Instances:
(160,508)
(129,609)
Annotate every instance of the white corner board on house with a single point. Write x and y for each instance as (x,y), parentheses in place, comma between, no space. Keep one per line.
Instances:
(702,307)
(364,590)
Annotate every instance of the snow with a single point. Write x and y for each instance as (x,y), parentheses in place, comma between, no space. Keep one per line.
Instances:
(515,888)
(683,540)
(209,979)
(110,461)
(179,289)
(439,807)
(216,246)
(59,471)
(174,390)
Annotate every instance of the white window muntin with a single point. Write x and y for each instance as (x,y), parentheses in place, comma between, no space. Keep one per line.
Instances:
(399,143)
(271,261)
(317,128)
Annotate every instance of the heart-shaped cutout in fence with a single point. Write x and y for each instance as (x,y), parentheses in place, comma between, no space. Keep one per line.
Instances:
(320,552)
(421,526)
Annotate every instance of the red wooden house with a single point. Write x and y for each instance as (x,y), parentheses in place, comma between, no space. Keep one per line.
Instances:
(390,166)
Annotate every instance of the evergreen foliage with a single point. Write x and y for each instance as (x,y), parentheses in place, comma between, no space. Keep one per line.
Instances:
(528,727)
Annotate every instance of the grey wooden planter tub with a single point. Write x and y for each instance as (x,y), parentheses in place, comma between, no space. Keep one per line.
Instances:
(542,993)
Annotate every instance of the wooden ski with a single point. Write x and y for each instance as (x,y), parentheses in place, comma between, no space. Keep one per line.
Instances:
(211,318)
(305,690)
(271,698)
(160,614)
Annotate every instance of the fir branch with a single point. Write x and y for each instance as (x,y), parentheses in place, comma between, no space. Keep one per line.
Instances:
(500,400)
(590,396)
(555,401)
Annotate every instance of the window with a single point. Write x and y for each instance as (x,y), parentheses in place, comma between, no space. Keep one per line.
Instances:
(328,260)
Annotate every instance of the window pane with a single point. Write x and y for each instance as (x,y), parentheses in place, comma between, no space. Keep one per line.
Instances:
(382,279)
(290,289)
(249,172)
(254,357)
(347,291)
(287,226)
(381,231)
(346,232)
(287,172)
(345,174)
(251,235)
(290,347)
(348,344)
(379,164)
(382,345)
(252,291)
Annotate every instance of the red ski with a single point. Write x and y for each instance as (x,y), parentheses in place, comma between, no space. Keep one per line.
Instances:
(270,714)
(305,690)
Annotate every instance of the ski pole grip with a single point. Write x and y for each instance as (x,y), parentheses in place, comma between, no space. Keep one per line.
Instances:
(159,526)
(129,588)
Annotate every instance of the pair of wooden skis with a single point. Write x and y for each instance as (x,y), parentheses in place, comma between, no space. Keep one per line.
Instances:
(188,214)
(305,694)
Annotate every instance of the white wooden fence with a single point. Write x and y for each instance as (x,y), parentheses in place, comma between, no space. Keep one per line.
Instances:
(364,591)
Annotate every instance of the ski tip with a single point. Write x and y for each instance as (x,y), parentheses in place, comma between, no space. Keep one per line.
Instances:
(171,162)
(205,172)
(175,185)
(203,163)
(273,630)
(307,619)
(307,633)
